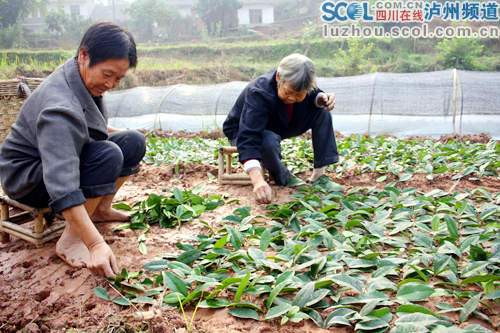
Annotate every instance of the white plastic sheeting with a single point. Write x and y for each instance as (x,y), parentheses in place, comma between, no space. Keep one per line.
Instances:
(430,104)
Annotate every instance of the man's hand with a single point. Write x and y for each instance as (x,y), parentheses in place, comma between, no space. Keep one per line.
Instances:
(326,100)
(261,190)
(102,261)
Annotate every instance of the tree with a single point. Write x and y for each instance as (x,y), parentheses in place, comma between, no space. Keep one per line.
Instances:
(459,53)
(351,62)
(13,10)
(55,20)
(218,13)
(145,13)
(72,27)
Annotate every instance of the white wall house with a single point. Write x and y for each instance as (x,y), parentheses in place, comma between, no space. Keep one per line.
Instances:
(35,21)
(253,12)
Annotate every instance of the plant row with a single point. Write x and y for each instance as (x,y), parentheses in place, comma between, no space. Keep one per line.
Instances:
(359,258)
(363,154)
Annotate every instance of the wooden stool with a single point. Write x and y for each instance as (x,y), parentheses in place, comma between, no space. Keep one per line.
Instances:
(40,234)
(225,174)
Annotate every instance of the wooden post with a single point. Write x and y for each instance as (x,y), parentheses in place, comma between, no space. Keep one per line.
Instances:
(4,237)
(221,163)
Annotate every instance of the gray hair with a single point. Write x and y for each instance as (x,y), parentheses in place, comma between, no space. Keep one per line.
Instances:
(299,71)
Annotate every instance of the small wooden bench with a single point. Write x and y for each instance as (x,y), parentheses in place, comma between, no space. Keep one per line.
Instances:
(226,176)
(12,220)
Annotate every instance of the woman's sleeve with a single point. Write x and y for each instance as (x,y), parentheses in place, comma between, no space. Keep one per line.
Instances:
(61,135)
(253,121)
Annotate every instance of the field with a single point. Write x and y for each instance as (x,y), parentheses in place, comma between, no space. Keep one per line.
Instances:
(406,240)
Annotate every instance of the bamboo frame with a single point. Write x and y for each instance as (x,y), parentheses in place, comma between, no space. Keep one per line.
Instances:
(225,171)
(12,225)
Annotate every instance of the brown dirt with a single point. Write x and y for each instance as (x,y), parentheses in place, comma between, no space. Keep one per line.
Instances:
(40,293)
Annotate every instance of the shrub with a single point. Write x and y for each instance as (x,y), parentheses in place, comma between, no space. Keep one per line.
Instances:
(10,36)
(351,62)
(459,53)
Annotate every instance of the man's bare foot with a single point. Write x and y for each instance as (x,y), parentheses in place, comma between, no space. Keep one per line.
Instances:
(71,249)
(109,215)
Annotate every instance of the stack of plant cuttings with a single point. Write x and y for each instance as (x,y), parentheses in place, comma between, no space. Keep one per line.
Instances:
(181,206)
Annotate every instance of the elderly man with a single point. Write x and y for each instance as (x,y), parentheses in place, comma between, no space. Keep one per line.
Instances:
(281,104)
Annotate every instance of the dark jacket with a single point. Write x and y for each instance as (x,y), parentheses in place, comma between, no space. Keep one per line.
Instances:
(46,141)
(259,108)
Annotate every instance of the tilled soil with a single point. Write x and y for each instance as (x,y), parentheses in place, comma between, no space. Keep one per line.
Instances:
(39,292)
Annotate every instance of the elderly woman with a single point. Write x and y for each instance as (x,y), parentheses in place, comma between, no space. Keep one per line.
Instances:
(281,104)
(60,151)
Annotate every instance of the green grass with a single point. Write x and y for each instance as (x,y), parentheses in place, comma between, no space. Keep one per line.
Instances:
(253,58)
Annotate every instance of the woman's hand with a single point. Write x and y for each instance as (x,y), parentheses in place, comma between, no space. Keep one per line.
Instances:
(82,245)
(102,261)
(326,100)
(261,189)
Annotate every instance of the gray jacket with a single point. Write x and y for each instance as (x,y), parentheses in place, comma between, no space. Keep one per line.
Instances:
(46,141)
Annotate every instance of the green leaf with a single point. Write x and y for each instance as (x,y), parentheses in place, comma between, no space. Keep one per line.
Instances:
(436,222)
(193,296)
(265,240)
(156,265)
(481,278)
(236,237)
(297,317)
(277,289)
(415,292)
(336,320)
(470,306)
(122,301)
(246,305)
(304,295)
(189,256)
(346,280)
(241,288)
(245,313)
(405,177)
(410,328)
(142,248)
(255,254)
(143,300)
(122,206)
(382,313)
(452,226)
(381,179)
(414,308)
(215,303)
(494,295)
(233,219)
(277,311)
(284,276)
(221,242)
(420,273)
(174,283)
(316,317)
(441,265)
(371,324)
(418,319)
(101,293)
(123,226)
(178,195)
